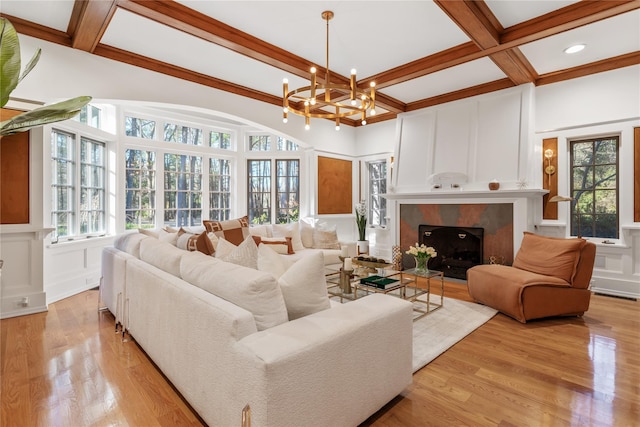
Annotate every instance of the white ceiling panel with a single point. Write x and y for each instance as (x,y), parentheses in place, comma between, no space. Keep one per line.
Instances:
(455,78)
(604,39)
(175,47)
(50,13)
(369,36)
(513,12)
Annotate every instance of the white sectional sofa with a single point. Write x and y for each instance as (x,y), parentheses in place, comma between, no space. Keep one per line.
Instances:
(221,334)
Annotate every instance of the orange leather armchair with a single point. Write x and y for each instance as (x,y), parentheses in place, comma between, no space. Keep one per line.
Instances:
(549,277)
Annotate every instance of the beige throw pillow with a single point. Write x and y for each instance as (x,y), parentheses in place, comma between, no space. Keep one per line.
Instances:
(289,230)
(304,287)
(325,237)
(245,254)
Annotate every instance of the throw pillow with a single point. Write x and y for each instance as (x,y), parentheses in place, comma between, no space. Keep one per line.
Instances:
(304,287)
(255,291)
(245,254)
(289,230)
(233,230)
(195,242)
(550,256)
(168,235)
(281,245)
(261,230)
(270,262)
(325,237)
(306,231)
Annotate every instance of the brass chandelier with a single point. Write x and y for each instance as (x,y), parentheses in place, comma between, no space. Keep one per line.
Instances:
(316,99)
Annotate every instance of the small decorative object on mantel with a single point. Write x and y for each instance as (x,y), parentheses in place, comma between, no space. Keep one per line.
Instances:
(361,222)
(494,185)
(422,254)
(522,183)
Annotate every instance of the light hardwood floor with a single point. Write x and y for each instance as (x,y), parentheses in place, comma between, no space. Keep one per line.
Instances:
(67,367)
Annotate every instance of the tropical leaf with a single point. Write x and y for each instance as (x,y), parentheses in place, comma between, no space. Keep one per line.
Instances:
(31,64)
(44,115)
(9,60)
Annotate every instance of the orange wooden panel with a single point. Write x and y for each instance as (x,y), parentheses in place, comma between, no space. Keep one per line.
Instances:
(334,186)
(14,175)
(636,174)
(550,182)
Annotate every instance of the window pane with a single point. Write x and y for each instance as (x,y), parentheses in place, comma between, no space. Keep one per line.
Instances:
(219,189)
(594,186)
(286,145)
(92,190)
(62,183)
(140,128)
(220,140)
(259,142)
(377,186)
(140,189)
(287,193)
(259,191)
(182,195)
(182,134)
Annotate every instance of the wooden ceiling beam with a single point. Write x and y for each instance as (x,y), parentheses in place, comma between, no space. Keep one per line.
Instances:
(483,28)
(38,31)
(621,61)
(89,21)
(461,94)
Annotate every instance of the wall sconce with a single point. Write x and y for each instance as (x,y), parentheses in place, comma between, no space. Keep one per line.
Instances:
(550,169)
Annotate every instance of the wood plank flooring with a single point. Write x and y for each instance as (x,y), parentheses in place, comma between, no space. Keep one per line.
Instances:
(67,367)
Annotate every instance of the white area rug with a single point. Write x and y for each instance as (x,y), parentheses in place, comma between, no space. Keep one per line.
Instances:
(438,331)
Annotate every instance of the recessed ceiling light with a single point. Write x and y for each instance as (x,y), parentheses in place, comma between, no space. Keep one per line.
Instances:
(575,48)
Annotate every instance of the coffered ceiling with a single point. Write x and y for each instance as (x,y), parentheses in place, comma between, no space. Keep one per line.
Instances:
(419,53)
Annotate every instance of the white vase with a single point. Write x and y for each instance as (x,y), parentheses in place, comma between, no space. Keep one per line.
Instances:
(363,247)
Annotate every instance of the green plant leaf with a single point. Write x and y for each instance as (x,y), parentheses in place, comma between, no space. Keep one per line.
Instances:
(9,60)
(31,64)
(44,115)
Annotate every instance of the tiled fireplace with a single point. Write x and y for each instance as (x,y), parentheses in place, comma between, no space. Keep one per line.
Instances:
(503,215)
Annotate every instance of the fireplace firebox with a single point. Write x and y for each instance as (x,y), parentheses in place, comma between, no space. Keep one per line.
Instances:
(459,248)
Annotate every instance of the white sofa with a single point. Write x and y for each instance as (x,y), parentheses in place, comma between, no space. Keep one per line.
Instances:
(335,367)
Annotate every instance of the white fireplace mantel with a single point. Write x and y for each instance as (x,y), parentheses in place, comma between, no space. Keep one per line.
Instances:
(468,194)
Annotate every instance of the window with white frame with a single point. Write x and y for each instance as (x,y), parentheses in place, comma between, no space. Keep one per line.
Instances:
(78,171)
(377,185)
(594,187)
(273,190)
(182,134)
(140,188)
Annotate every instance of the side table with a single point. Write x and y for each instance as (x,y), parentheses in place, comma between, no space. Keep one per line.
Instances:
(414,292)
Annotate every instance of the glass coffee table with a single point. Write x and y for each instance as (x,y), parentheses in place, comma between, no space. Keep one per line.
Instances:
(407,287)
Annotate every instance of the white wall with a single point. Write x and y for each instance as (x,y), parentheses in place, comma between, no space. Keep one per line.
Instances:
(606,103)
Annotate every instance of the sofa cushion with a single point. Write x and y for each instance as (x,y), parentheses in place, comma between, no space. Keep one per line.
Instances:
(306,231)
(289,230)
(245,254)
(549,256)
(129,243)
(195,242)
(255,291)
(233,230)
(161,255)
